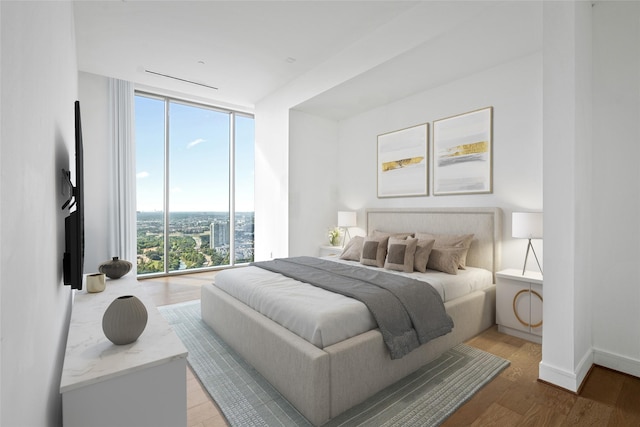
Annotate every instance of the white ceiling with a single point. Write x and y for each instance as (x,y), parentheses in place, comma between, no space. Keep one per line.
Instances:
(249,49)
(246,49)
(492,36)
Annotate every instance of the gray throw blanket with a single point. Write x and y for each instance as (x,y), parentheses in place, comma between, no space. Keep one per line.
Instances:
(409,312)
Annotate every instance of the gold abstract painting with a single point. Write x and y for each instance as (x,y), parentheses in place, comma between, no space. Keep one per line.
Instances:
(462,148)
(397,164)
(402,162)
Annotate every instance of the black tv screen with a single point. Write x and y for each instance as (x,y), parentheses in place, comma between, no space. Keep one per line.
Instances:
(73,261)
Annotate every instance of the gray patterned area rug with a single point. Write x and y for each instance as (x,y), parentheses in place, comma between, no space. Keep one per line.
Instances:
(425,398)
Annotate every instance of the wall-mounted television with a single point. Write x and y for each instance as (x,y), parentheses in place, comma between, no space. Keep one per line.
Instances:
(73,261)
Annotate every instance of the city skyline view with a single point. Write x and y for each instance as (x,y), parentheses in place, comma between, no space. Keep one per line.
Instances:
(190,242)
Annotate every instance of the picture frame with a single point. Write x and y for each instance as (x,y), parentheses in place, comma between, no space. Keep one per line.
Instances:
(402,162)
(463,153)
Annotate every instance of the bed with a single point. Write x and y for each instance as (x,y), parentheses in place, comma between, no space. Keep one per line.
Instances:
(326,380)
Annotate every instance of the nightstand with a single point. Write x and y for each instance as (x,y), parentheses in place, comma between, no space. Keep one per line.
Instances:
(326,250)
(519,304)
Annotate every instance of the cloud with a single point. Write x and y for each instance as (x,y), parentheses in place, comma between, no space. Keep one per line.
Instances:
(142,175)
(195,142)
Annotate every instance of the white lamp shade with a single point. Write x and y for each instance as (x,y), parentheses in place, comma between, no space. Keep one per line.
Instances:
(346,219)
(526,225)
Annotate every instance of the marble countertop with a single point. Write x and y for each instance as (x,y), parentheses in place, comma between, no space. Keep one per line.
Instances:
(91,358)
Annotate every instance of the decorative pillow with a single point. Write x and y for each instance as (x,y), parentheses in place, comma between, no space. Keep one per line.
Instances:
(353,249)
(450,241)
(378,233)
(400,254)
(421,258)
(374,251)
(446,260)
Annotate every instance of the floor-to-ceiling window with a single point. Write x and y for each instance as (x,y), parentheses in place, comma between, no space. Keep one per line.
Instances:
(195,185)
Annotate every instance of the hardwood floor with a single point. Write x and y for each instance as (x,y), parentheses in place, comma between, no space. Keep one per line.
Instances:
(514,398)
(517,398)
(201,409)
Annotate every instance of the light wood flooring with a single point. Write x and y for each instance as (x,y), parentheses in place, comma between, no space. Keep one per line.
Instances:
(514,398)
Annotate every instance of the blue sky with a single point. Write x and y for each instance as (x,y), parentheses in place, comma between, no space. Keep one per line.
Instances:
(199,158)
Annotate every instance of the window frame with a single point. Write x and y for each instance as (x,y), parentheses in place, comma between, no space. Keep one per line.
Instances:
(167,100)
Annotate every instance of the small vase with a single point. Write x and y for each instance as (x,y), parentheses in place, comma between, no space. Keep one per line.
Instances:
(95,282)
(124,320)
(116,268)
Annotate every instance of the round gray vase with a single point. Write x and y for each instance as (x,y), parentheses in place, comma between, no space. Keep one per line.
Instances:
(124,320)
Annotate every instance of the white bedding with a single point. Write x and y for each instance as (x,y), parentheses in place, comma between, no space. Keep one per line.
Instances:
(321,317)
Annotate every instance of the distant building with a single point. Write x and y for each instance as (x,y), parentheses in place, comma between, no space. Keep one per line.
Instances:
(219,234)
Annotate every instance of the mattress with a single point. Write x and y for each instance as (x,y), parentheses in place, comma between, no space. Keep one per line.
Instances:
(325,318)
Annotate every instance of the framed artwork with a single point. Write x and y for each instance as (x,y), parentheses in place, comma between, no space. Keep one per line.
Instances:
(462,153)
(402,162)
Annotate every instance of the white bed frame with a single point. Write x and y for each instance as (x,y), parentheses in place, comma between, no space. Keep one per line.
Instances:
(322,383)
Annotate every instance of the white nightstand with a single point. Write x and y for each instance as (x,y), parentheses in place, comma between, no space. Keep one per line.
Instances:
(330,250)
(519,304)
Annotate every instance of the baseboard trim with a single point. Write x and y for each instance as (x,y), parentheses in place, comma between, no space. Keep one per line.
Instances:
(617,362)
(567,380)
(558,377)
(572,381)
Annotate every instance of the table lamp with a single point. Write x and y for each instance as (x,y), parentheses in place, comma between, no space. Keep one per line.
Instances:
(527,225)
(345,220)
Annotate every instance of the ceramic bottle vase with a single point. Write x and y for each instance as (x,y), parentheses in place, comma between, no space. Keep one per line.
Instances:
(124,320)
(116,268)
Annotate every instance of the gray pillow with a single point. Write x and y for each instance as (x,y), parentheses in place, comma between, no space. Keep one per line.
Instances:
(374,251)
(400,254)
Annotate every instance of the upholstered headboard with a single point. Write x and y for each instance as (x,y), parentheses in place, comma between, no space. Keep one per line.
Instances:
(484,223)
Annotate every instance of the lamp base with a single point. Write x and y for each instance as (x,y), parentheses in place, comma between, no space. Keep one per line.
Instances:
(524,267)
(344,236)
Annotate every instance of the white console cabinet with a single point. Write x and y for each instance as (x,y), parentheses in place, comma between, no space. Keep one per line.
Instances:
(519,304)
(138,384)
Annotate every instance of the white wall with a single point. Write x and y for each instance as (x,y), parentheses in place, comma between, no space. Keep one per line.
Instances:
(515,92)
(39,87)
(314,190)
(582,331)
(1,223)
(271,180)
(616,185)
(592,189)
(566,346)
